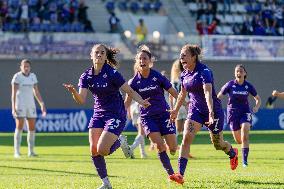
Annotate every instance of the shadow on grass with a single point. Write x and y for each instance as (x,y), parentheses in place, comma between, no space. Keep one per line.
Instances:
(52,171)
(246,182)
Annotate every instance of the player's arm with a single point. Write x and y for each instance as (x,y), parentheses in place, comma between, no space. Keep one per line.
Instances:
(278,94)
(15,88)
(134,95)
(179,103)
(207,87)
(220,95)
(127,102)
(257,103)
(39,99)
(79,97)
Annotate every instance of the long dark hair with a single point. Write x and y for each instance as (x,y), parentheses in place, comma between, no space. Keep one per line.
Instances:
(242,66)
(110,54)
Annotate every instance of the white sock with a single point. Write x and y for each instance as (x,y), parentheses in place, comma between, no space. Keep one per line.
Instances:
(142,146)
(31,141)
(17,140)
(106,181)
(136,142)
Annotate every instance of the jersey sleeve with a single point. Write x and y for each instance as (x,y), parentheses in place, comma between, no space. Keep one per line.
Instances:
(206,76)
(165,83)
(118,80)
(225,89)
(15,79)
(35,79)
(83,81)
(252,90)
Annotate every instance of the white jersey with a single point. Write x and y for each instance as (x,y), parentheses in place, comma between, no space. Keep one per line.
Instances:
(182,114)
(24,95)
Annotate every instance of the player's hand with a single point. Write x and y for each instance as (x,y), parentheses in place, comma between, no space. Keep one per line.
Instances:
(275,93)
(69,87)
(145,103)
(43,110)
(173,115)
(14,112)
(211,119)
(254,109)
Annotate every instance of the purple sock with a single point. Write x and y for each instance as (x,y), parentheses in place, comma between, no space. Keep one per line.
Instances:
(114,147)
(245,155)
(231,153)
(100,164)
(182,163)
(164,158)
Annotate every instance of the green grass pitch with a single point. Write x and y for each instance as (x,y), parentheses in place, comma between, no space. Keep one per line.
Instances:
(64,162)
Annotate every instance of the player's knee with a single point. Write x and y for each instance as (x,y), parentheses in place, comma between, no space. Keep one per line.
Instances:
(161,147)
(173,149)
(93,149)
(238,141)
(245,139)
(103,151)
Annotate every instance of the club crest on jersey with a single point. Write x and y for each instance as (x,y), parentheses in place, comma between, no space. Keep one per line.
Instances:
(234,86)
(138,82)
(246,87)
(154,79)
(105,75)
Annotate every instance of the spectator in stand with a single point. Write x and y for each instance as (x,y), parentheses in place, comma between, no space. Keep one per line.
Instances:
(141,31)
(267,15)
(247,28)
(113,23)
(82,11)
(204,29)
(257,24)
(226,6)
(3,13)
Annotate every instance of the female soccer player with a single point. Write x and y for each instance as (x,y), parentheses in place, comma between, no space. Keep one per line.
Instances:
(109,117)
(140,138)
(176,70)
(278,94)
(204,107)
(239,116)
(155,120)
(24,88)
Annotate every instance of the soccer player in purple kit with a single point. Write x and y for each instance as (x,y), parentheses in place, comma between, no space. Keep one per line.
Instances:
(109,117)
(204,107)
(155,119)
(239,115)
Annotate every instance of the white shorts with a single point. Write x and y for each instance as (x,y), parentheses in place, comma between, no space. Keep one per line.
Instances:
(26,112)
(182,113)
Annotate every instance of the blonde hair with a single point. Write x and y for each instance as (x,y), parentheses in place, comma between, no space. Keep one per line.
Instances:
(176,70)
(194,50)
(110,54)
(143,49)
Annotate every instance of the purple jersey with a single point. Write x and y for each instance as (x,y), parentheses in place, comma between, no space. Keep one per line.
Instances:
(153,86)
(193,83)
(238,94)
(105,89)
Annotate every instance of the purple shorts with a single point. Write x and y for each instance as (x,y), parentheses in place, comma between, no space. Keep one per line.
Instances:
(111,124)
(235,118)
(216,127)
(160,123)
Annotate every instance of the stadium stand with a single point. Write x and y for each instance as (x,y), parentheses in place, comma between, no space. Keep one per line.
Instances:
(238,17)
(44,16)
